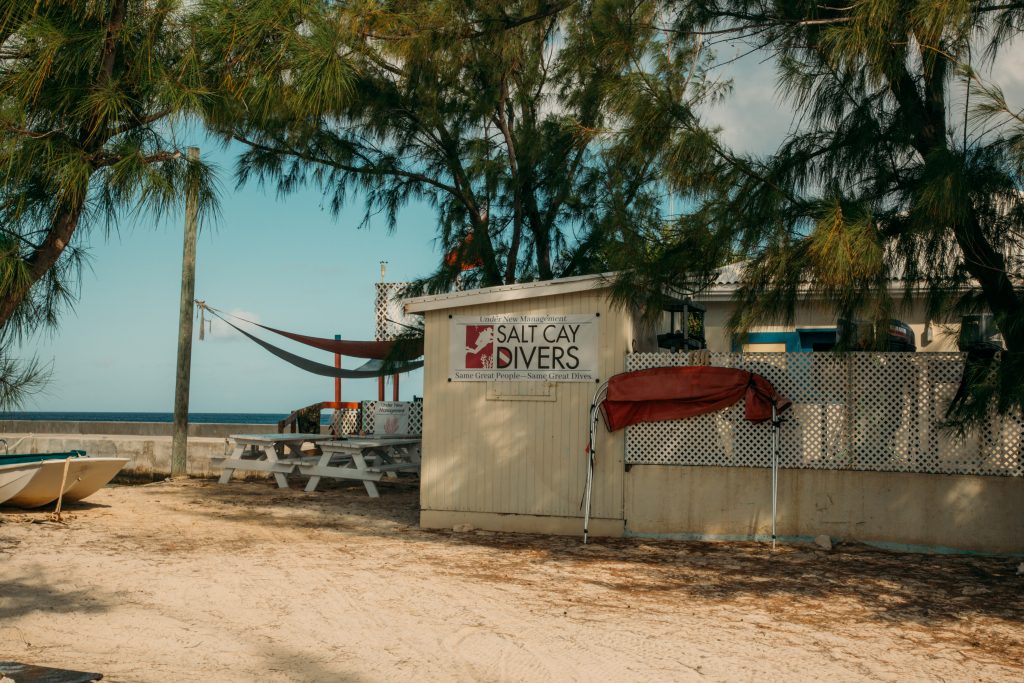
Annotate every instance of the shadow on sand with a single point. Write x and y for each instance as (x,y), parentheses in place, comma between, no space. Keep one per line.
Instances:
(28,591)
(900,587)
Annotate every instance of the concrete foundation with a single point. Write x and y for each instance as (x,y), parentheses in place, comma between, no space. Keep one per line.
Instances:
(900,511)
(914,511)
(536,524)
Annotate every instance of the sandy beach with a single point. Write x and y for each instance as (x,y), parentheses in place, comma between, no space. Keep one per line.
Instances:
(195,581)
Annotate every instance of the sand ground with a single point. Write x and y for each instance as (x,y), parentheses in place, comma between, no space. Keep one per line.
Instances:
(193,581)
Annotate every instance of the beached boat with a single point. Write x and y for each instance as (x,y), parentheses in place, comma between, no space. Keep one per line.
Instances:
(17,471)
(30,481)
(94,475)
(15,477)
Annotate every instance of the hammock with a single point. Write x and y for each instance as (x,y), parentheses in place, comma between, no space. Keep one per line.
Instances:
(373,368)
(379,350)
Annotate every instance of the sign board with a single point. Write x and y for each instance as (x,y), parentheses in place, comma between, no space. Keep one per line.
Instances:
(391,417)
(520,347)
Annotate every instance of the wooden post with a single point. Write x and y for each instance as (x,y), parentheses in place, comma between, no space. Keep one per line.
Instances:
(394,389)
(380,388)
(179,444)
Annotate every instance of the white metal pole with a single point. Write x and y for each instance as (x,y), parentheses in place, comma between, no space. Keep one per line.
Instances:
(590,482)
(590,471)
(590,459)
(775,470)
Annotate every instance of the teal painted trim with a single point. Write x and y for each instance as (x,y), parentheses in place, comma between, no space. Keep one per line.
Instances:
(21,459)
(811,335)
(766,538)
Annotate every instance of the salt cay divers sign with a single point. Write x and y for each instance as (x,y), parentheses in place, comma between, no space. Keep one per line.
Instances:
(516,348)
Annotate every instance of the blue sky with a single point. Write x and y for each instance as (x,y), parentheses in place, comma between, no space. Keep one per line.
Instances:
(293,266)
(286,261)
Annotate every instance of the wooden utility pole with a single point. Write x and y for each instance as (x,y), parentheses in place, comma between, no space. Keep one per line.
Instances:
(179,445)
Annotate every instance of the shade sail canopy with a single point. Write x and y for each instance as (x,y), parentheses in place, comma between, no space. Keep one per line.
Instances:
(372,368)
(379,350)
(675,393)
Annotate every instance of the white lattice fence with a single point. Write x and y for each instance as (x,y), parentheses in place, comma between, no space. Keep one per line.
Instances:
(415,416)
(391,319)
(857,411)
(345,421)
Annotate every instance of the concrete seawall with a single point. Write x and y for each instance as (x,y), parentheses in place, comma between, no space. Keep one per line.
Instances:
(148,444)
(215,430)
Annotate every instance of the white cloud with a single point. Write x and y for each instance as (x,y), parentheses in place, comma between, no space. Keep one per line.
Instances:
(755,118)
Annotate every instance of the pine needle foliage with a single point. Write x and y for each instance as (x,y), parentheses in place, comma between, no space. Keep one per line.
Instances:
(19,380)
(902,171)
(89,90)
(490,113)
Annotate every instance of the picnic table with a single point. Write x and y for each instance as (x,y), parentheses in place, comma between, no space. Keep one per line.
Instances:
(275,453)
(367,459)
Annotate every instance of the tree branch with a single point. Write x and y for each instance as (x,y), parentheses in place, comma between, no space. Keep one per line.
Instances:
(312,158)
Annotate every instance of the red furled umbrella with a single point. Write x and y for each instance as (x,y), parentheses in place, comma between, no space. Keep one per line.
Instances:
(675,393)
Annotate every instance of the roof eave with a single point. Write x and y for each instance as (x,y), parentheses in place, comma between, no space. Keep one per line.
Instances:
(503,293)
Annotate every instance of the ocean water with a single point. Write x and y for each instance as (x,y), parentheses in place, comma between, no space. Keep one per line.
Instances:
(197,418)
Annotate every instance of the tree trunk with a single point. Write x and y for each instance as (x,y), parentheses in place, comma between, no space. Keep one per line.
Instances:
(65,221)
(44,257)
(541,231)
(542,239)
(485,249)
(981,259)
(986,265)
(512,262)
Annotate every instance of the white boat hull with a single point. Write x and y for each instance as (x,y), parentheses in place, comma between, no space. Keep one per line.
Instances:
(84,477)
(96,474)
(14,478)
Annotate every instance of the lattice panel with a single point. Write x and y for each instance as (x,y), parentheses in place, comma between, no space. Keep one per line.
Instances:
(858,411)
(345,421)
(415,416)
(389,311)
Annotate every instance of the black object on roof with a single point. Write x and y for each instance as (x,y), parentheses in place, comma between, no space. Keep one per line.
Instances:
(689,335)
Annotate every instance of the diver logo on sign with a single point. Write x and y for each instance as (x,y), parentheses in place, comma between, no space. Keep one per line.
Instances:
(509,347)
(479,347)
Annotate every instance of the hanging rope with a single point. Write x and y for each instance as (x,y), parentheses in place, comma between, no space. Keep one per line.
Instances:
(55,515)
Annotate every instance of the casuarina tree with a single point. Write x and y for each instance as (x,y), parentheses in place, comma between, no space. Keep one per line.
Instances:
(88,92)
(903,164)
(490,113)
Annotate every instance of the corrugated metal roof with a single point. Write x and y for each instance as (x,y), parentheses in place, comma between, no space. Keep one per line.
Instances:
(523,290)
(730,276)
